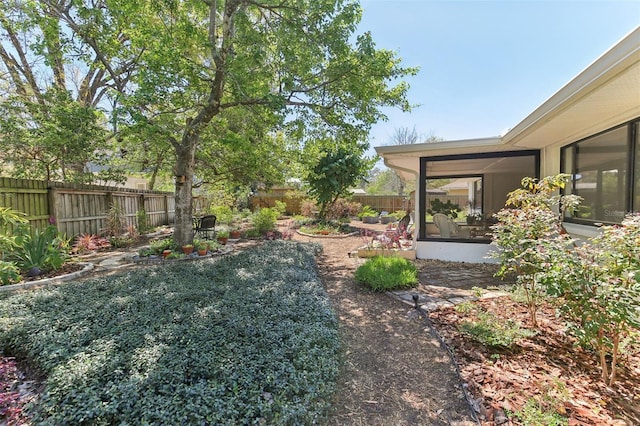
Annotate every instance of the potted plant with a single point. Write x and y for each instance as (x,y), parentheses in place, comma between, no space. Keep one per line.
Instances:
(369,217)
(201,247)
(187,248)
(234,234)
(165,253)
(223,237)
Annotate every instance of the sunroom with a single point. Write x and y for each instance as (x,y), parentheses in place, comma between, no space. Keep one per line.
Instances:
(589,129)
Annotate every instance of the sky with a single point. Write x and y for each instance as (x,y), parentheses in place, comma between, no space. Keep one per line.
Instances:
(486,65)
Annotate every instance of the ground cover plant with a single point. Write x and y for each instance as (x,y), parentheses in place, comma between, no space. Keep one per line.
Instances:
(382,273)
(244,339)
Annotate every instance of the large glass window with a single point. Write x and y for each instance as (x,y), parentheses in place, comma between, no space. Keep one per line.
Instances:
(460,193)
(605,174)
(636,175)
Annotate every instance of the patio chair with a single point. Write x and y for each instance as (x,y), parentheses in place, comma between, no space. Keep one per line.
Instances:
(448,228)
(206,227)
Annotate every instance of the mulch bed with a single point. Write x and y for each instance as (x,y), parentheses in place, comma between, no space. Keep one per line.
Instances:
(548,367)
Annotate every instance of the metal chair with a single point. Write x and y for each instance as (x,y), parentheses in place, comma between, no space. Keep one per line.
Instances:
(205,228)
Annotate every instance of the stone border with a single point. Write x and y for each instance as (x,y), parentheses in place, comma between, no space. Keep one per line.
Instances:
(47,281)
(159,260)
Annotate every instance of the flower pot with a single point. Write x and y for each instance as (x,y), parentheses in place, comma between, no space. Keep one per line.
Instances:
(223,240)
(166,253)
(234,235)
(369,219)
(202,252)
(386,219)
(187,249)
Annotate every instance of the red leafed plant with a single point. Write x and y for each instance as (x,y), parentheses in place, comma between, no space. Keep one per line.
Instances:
(89,242)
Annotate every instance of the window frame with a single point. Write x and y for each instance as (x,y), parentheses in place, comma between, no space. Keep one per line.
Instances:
(422,187)
(633,148)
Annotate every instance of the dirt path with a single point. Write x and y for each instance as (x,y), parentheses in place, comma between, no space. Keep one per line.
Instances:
(396,372)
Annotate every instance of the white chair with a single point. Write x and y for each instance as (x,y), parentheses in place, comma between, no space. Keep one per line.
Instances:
(448,228)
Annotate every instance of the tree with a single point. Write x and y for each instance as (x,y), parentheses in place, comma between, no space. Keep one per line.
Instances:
(61,63)
(384,182)
(289,62)
(407,136)
(168,75)
(334,174)
(529,229)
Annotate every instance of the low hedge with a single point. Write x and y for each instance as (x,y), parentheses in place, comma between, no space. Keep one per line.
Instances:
(246,339)
(381,273)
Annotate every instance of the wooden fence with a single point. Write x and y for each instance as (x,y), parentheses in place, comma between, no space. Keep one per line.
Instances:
(77,209)
(380,203)
(388,203)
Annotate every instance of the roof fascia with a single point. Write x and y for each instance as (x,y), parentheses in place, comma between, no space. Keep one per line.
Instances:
(437,146)
(612,62)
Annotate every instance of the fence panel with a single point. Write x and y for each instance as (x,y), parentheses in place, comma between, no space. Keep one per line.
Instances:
(383,203)
(26,196)
(82,209)
(269,200)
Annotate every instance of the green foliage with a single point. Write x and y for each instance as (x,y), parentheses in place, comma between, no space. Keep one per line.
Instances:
(9,219)
(158,246)
(532,414)
(280,207)
(264,220)
(492,332)
(224,214)
(381,273)
(530,233)
(240,340)
(367,211)
(334,174)
(598,284)
(53,138)
(42,249)
(540,413)
(9,273)
(141,221)
(438,206)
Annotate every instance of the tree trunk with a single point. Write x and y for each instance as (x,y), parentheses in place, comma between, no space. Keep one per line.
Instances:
(185,150)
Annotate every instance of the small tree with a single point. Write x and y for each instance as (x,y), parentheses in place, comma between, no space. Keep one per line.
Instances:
(529,231)
(599,287)
(334,174)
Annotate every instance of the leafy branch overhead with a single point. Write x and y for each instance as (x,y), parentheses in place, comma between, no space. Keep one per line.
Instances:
(187,88)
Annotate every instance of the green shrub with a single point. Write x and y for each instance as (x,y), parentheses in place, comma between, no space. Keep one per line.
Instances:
(387,273)
(280,207)
(224,214)
(141,221)
(492,332)
(367,211)
(42,249)
(264,220)
(158,246)
(9,219)
(9,273)
(248,339)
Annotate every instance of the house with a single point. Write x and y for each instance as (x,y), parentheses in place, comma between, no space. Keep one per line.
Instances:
(590,129)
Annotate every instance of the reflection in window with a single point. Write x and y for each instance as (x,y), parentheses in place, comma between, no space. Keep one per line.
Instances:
(600,173)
